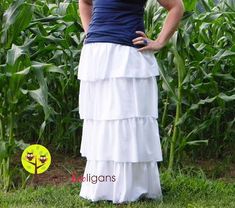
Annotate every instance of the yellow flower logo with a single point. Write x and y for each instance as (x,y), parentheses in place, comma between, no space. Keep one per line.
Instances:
(36,159)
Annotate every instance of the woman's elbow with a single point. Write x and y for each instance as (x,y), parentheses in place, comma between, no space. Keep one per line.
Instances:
(177,7)
(181,8)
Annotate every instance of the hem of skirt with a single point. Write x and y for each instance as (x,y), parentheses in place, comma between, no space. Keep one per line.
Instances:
(82,117)
(140,197)
(116,77)
(121,161)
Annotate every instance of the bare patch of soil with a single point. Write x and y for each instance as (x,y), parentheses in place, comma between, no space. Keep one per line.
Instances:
(216,169)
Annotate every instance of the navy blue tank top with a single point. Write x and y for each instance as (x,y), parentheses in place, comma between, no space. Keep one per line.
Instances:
(116,21)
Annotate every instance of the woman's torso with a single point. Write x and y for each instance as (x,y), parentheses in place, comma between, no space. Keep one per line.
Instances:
(116,21)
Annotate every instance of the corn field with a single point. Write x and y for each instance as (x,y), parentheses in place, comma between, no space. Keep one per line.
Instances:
(40,45)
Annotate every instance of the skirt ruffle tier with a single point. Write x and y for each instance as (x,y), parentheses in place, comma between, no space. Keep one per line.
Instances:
(118,102)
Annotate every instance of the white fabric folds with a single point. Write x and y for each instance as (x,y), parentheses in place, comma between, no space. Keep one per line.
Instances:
(125,140)
(118,102)
(136,180)
(117,98)
(105,60)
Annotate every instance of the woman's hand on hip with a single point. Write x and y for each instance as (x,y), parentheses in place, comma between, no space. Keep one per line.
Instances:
(152,45)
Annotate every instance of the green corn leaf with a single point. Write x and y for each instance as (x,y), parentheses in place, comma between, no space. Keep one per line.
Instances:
(225,97)
(224,54)
(15,19)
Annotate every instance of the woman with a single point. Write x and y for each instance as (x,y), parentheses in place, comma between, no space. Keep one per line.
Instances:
(118,99)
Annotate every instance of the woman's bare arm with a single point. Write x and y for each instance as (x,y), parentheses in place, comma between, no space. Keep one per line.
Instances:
(175,12)
(85,11)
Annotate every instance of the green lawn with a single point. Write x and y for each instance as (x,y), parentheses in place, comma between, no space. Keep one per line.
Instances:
(179,191)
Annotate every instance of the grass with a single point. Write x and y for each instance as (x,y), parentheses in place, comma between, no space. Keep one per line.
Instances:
(179,191)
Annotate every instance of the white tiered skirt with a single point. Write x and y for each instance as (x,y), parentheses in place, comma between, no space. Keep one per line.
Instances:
(118,102)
